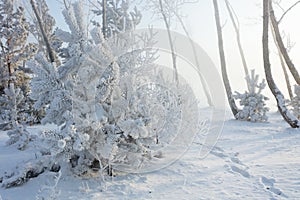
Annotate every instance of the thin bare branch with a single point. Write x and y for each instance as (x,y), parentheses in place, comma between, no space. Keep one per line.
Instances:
(235,23)
(234,15)
(277,3)
(290,8)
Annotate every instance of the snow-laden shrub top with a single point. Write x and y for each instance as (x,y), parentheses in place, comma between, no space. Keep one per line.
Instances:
(253,101)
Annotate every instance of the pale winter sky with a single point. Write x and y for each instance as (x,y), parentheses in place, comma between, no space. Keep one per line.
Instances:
(199,19)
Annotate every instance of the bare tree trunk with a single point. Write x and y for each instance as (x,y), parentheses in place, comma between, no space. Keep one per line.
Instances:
(238,37)
(10,66)
(170,41)
(11,69)
(282,48)
(3,82)
(230,98)
(204,85)
(288,117)
(286,76)
(104,18)
(46,40)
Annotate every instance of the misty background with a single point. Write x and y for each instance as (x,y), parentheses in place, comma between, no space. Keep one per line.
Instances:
(200,22)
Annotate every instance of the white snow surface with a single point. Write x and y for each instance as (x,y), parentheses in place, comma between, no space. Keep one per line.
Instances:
(249,161)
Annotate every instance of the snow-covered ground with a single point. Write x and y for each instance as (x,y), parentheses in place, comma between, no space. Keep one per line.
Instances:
(249,161)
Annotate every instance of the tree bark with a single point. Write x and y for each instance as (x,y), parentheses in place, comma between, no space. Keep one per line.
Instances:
(230,98)
(286,76)
(11,68)
(46,40)
(282,48)
(288,117)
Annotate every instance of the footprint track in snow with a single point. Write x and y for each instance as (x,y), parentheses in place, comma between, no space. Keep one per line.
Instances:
(233,158)
(235,169)
(269,185)
(235,164)
(267,182)
(238,167)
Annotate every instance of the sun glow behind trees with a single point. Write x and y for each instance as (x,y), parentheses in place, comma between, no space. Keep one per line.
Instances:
(199,19)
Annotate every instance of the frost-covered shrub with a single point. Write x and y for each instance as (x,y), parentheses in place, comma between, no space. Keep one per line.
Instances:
(12,107)
(49,92)
(12,104)
(19,136)
(14,52)
(295,102)
(252,101)
(78,94)
(114,107)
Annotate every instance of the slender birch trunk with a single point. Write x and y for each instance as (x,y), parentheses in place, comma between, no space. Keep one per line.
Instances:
(282,48)
(288,117)
(286,76)
(230,98)
(170,41)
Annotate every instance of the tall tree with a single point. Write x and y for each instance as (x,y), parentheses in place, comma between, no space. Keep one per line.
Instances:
(288,117)
(230,98)
(166,19)
(14,52)
(14,49)
(281,45)
(179,18)
(166,10)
